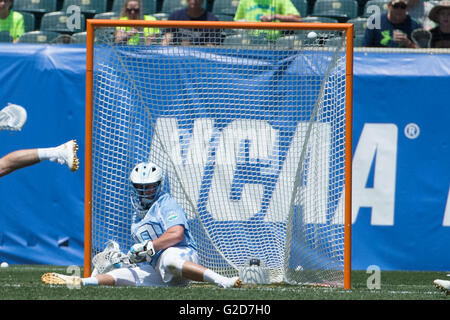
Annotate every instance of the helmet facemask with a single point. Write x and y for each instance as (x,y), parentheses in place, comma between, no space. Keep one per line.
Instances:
(146,194)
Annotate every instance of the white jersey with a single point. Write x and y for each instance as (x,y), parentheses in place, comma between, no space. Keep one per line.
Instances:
(163,214)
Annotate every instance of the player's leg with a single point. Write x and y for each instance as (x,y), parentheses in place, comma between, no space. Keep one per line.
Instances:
(17,160)
(178,264)
(142,275)
(196,272)
(100,279)
(65,153)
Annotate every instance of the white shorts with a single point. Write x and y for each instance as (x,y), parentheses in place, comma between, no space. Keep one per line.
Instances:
(166,273)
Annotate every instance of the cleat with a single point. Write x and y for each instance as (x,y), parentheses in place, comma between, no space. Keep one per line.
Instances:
(237,283)
(68,155)
(12,117)
(234,282)
(443,285)
(56,278)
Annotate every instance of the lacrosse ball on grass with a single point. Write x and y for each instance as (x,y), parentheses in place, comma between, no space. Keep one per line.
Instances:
(312,35)
(4,265)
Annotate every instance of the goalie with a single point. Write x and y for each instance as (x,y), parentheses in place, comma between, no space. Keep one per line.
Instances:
(164,254)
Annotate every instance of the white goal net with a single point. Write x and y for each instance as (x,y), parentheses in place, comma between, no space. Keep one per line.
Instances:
(250,127)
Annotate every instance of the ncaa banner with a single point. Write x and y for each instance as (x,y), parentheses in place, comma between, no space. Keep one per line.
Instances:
(401,176)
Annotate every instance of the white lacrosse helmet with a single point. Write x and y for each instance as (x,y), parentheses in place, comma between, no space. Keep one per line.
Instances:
(145,181)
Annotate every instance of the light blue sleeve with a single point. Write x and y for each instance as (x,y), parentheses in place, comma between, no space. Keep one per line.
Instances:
(173,214)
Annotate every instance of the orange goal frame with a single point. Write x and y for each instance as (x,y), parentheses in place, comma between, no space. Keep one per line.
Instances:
(345,27)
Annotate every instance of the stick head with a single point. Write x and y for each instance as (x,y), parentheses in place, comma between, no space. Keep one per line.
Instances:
(12,117)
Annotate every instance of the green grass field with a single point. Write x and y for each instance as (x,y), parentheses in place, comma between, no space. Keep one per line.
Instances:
(23,283)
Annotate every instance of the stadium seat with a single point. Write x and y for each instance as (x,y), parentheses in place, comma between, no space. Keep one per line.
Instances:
(5,36)
(226,7)
(368,10)
(359,25)
(171,5)
(35,6)
(29,21)
(161,15)
(57,22)
(302,7)
(224,17)
(245,40)
(290,42)
(87,7)
(361,4)
(38,37)
(235,40)
(106,34)
(106,15)
(314,20)
(334,42)
(358,40)
(319,19)
(149,6)
(63,39)
(342,10)
(80,37)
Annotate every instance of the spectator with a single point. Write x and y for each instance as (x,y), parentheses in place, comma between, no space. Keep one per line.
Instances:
(129,35)
(419,10)
(10,20)
(267,11)
(193,12)
(395,29)
(440,35)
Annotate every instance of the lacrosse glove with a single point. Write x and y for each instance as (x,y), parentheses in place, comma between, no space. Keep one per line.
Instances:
(140,251)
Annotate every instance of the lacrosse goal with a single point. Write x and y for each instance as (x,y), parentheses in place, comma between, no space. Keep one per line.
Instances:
(252,123)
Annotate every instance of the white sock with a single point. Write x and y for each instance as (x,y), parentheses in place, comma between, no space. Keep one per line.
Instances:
(212,277)
(48,153)
(91,281)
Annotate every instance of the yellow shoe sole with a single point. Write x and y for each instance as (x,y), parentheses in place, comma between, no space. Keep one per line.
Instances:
(58,279)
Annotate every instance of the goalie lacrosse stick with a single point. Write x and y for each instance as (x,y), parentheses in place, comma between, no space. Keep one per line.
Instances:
(12,117)
(110,258)
(422,38)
